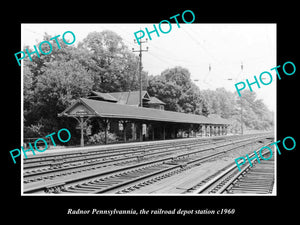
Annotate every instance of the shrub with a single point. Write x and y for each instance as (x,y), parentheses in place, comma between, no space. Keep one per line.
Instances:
(99,138)
(33,131)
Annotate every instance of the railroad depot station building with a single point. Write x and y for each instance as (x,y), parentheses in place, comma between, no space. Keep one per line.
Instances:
(119,112)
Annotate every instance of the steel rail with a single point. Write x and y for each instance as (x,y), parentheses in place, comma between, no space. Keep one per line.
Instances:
(222,176)
(110,187)
(46,173)
(95,162)
(43,161)
(94,174)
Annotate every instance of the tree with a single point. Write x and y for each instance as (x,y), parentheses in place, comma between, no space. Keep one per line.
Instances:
(51,83)
(175,88)
(113,66)
(256,114)
(169,93)
(226,102)
(178,76)
(249,110)
(212,101)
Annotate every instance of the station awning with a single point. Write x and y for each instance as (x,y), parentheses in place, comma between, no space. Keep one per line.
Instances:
(93,108)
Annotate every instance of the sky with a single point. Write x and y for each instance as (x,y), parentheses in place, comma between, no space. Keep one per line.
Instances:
(216,55)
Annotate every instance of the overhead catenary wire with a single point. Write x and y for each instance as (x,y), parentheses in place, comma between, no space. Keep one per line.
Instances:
(161,59)
(198,43)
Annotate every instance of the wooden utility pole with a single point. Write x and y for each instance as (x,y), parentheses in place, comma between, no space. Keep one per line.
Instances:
(140,67)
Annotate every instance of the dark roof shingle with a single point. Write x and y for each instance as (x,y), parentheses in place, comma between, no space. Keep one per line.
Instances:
(113,110)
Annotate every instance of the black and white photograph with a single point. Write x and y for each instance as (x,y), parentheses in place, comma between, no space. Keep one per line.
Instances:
(106,113)
(124,112)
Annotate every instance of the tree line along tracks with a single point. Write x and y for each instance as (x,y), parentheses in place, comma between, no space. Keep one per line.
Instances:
(89,179)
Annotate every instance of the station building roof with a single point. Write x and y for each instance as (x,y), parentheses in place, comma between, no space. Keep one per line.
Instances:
(125,97)
(154,100)
(103,109)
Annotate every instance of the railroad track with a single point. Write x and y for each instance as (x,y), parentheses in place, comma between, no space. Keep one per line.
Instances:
(94,181)
(50,165)
(258,179)
(90,161)
(53,159)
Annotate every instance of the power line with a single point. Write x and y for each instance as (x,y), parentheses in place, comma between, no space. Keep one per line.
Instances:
(199,44)
(33,31)
(161,59)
